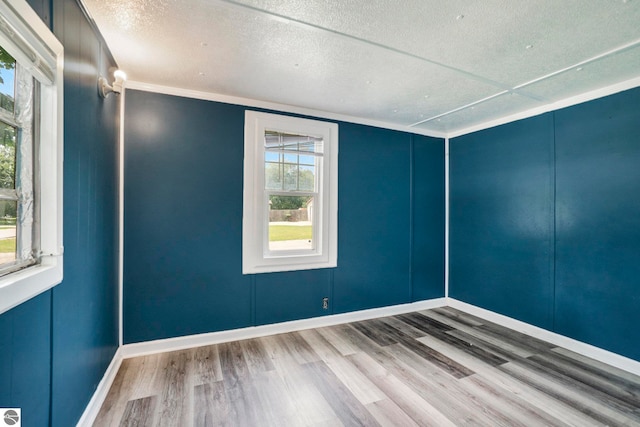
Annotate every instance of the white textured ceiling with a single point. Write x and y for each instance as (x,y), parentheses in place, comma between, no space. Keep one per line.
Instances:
(438,66)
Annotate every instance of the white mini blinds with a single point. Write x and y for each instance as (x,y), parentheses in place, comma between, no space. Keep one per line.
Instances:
(290,193)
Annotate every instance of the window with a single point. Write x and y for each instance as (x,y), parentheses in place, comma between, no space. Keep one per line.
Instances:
(18,242)
(30,155)
(290,194)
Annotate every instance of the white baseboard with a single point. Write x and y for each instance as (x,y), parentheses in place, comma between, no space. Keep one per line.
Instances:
(91,411)
(576,346)
(180,343)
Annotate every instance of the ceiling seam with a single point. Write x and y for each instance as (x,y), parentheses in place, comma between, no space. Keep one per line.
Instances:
(516,89)
(455,110)
(371,43)
(619,49)
(553,106)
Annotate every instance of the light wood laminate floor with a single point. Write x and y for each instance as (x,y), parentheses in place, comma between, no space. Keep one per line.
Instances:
(437,367)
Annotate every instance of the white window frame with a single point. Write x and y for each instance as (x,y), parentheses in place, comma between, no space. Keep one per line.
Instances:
(34,46)
(256,257)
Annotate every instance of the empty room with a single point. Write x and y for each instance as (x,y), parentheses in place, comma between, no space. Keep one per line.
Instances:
(319,213)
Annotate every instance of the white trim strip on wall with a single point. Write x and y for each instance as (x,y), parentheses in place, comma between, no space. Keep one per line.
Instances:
(121,220)
(446,217)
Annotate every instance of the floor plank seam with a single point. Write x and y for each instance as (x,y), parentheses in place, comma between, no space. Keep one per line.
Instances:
(434,367)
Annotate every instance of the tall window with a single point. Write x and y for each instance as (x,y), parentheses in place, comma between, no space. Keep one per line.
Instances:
(290,193)
(292,164)
(18,242)
(31,63)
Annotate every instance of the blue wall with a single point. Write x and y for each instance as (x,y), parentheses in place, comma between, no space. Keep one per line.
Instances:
(427,193)
(25,359)
(545,221)
(598,223)
(56,347)
(501,219)
(545,227)
(183,224)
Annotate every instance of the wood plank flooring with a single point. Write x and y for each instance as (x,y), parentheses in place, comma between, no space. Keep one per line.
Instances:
(437,367)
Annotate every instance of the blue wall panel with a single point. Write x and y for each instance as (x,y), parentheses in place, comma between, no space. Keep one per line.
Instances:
(25,347)
(502,196)
(25,359)
(183,218)
(373,219)
(598,222)
(63,340)
(292,295)
(85,305)
(428,196)
(501,219)
(183,224)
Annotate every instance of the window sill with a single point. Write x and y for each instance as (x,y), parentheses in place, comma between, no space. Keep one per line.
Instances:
(18,287)
(281,264)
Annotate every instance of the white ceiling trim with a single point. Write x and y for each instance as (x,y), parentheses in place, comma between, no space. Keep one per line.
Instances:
(247,102)
(564,103)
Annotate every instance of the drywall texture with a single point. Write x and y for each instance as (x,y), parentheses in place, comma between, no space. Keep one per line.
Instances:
(183,224)
(545,221)
(56,347)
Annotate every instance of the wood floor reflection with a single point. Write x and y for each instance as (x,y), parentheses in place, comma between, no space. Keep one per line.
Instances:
(437,367)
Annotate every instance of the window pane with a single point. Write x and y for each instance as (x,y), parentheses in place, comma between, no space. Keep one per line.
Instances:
(290,223)
(273,176)
(291,158)
(307,160)
(306,181)
(7,80)
(8,209)
(7,156)
(298,156)
(290,177)
(271,157)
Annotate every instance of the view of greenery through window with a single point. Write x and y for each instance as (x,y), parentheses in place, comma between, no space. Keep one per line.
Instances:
(8,135)
(291,161)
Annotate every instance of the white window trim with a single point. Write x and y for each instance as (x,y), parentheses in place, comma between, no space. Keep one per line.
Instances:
(255,259)
(18,287)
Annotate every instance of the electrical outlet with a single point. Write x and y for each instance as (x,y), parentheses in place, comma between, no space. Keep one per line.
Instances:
(325,303)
